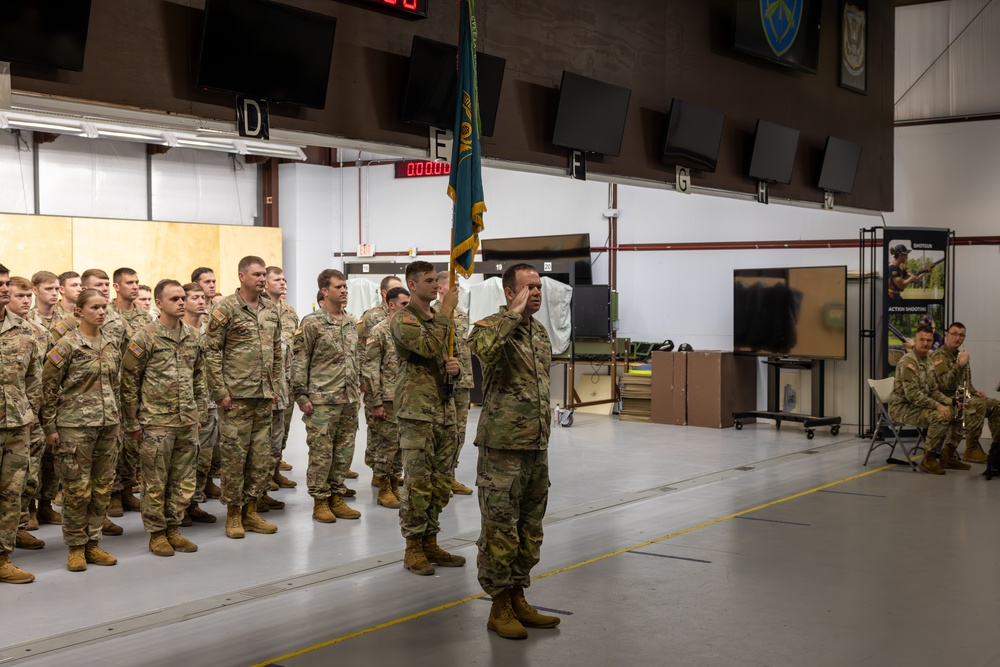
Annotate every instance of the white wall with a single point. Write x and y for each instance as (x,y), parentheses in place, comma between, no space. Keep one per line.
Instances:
(92,179)
(17,176)
(203,186)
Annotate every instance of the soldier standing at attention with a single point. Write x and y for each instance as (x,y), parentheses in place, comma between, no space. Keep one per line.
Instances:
(916,399)
(70,287)
(369,320)
(276,290)
(378,373)
(425,408)
(19,403)
(145,298)
(208,434)
(45,286)
(243,354)
(463,387)
(205,277)
(513,440)
(80,416)
(163,398)
(325,385)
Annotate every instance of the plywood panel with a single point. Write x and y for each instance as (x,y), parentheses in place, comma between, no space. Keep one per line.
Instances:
(30,243)
(235,243)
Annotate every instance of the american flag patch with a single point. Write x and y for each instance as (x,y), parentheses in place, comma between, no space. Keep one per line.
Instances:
(54,357)
(408,319)
(218,314)
(371,339)
(137,351)
(909,364)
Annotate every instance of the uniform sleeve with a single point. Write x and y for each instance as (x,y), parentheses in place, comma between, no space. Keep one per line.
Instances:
(428,342)
(133,369)
(489,336)
(278,362)
(948,375)
(33,382)
(302,347)
(215,342)
(57,361)
(909,385)
(371,369)
(201,385)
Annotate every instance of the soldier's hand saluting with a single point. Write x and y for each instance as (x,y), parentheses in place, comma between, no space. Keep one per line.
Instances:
(520,302)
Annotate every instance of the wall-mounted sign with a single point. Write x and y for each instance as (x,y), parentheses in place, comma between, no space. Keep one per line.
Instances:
(418,168)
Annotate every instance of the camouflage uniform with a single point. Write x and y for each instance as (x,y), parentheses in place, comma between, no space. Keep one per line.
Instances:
(46,323)
(513,435)
(48,485)
(243,355)
(19,401)
(128,451)
(326,375)
(369,320)
(465,382)
(426,421)
(915,396)
(81,381)
(281,414)
(977,408)
(164,395)
(379,372)
(36,439)
(208,436)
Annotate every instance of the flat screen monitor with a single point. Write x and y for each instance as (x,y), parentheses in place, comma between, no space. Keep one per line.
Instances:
(840,165)
(431,89)
(591,115)
(50,33)
(773,154)
(592,311)
(781,31)
(796,312)
(263,49)
(692,136)
(560,246)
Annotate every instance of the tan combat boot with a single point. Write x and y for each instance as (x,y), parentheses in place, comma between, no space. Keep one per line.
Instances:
(253,522)
(950,460)
(350,493)
(98,556)
(48,515)
(284,466)
(394,485)
(341,510)
(271,503)
(439,556)
(386,498)
(283,482)
(374,479)
(32,516)
(930,464)
(414,559)
(77,561)
(272,485)
(973,452)
(321,511)
(25,540)
(502,619)
(179,542)
(212,490)
(234,522)
(12,574)
(459,488)
(351,474)
(198,514)
(110,528)
(115,505)
(129,502)
(158,544)
(528,615)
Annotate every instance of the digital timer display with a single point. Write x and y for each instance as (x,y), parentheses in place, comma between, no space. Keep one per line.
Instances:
(418,168)
(411,8)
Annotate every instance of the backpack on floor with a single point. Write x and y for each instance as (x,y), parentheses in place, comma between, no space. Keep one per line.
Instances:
(993,462)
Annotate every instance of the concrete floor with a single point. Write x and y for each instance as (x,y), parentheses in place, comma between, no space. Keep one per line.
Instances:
(664,545)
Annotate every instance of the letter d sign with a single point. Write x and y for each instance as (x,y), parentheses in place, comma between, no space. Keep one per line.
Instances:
(251,118)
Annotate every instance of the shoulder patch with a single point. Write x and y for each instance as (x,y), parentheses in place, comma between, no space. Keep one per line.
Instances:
(61,328)
(938,361)
(408,319)
(219,315)
(298,332)
(911,365)
(54,357)
(371,339)
(136,351)
(482,323)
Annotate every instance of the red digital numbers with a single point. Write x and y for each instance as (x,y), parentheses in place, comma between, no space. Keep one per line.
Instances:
(412,7)
(416,169)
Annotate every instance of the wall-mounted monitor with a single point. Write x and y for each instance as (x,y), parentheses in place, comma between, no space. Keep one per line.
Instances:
(591,115)
(773,155)
(50,33)
(267,50)
(782,31)
(692,136)
(431,88)
(840,165)
(574,247)
(592,311)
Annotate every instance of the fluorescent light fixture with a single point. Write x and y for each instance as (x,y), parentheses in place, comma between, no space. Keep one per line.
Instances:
(209,145)
(275,150)
(128,133)
(58,126)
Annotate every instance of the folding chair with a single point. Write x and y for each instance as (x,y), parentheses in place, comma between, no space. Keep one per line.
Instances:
(882,390)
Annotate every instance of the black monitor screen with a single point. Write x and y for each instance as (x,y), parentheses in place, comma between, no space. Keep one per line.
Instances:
(840,165)
(692,136)
(562,246)
(267,50)
(773,154)
(430,93)
(51,33)
(591,115)
(782,31)
(592,311)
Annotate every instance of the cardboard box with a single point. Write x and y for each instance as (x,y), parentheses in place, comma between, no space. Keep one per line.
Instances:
(669,388)
(718,384)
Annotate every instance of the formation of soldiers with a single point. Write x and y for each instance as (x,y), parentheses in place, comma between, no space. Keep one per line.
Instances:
(101,399)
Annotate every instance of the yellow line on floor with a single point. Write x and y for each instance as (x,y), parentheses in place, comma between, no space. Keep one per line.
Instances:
(706,524)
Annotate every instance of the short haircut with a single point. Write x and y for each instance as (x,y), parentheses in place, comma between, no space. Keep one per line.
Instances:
(444,275)
(271,270)
(510,275)
(199,272)
(384,285)
(42,277)
(418,268)
(93,273)
(117,276)
(957,325)
(923,328)
(248,261)
(395,293)
(319,296)
(86,295)
(190,287)
(4,269)
(162,285)
(323,279)
(144,287)
(63,277)
(20,282)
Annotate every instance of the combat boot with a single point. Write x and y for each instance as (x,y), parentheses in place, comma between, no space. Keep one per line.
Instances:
(32,516)
(272,485)
(439,556)
(351,474)
(48,515)
(386,498)
(528,615)
(321,511)
(158,544)
(502,619)
(394,485)
(234,522)
(930,464)
(974,453)
(253,522)
(212,490)
(198,514)
(374,479)
(950,460)
(58,500)
(284,466)
(342,511)
(283,482)
(414,559)
(459,488)
(129,502)
(98,556)
(12,574)
(179,542)
(350,493)
(109,528)
(186,520)
(25,540)
(77,561)
(115,505)
(270,502)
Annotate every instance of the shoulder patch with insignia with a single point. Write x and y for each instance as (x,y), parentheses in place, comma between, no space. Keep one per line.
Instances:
(219,315)
(482,323)
(136,351)
(408,319)
(54,357)
(298,332)
(371,339)
(911,366)
(61,328)
(938,361)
